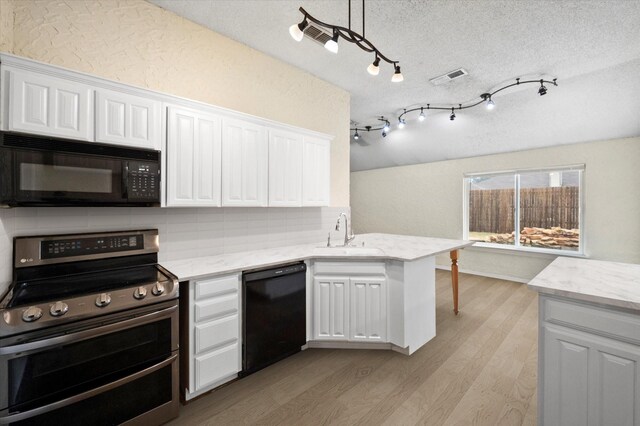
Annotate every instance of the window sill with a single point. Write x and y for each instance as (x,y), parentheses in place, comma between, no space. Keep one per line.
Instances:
(525,251)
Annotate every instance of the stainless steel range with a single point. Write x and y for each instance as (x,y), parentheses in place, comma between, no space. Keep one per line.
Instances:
(89,332)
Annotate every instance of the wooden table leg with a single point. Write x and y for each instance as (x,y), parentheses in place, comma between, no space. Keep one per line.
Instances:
(454,278)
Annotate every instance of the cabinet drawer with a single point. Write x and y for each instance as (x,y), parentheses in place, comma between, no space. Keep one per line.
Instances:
(349,268)
(217,365)
(216,333)
(216,307)
(610,322)
(217,286)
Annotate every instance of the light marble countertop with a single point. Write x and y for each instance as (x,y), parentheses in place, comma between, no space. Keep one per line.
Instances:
(609,283)
(389,247)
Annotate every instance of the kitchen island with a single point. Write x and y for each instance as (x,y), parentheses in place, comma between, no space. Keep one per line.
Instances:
(589,343)
(378,293)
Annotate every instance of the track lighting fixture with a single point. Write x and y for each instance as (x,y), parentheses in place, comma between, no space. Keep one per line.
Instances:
(356,136)
(486,98)
(374,69)
(297,32)
(384,133)
(397,75)
(542,90)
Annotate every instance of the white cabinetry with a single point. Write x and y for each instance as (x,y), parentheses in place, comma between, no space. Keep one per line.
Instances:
(128,120)
(245,164)
(591,375)
(193,158)
(46,105)
(215,354)
(316,159)
(350,307)
(368,309)
(285,169)
(331,308)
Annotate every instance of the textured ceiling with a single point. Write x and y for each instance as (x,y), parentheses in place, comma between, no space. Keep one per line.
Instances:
(593,47)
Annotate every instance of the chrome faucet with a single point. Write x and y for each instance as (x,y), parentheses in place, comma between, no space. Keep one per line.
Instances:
(347,236)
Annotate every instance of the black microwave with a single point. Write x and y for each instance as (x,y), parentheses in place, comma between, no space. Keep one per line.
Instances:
(45,171)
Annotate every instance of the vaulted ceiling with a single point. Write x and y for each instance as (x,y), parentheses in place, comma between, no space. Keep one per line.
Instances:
(592,47)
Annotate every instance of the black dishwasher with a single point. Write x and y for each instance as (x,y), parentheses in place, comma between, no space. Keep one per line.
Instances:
(273,315)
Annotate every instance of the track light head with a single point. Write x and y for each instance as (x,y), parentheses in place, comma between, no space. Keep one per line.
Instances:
(397,75)
(332,44)
(490,104)
(297,30)
(356,136)
(453,115)
(384,133)
(401,123)
(542,90)
(421,117)
(374,68)
(387,126)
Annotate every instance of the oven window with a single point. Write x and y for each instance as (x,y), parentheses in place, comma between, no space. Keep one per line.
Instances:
(114,406)
(62,371)
(47,177)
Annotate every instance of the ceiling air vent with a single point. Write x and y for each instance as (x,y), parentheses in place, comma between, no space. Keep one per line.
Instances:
(316,34)
(450,76)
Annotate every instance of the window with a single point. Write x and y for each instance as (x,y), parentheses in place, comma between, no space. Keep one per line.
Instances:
(538,210)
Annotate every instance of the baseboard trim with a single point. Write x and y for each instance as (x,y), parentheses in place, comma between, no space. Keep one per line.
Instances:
(353,345)
(486,274)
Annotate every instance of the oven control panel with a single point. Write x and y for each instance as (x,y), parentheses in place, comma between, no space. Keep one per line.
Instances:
(143,181)
(51,249)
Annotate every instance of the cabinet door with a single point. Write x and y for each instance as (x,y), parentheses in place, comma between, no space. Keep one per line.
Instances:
(127,120)
(193,158)
(285,169)
(50,106)
(331,308)
(316,171)
(368,309)
(589,380)
(245,161)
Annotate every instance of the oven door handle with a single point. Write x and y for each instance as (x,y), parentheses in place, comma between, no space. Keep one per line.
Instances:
(85,395)
(25,348)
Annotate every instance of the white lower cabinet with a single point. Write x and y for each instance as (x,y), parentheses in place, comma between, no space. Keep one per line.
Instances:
(349,307)
(586,378)
(331,308)
(368,309)
(215,347)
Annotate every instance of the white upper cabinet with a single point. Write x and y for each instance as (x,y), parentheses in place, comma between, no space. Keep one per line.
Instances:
(316,154)
(46,105)
(285,169)
(245,164)
(128,120)
(194,152)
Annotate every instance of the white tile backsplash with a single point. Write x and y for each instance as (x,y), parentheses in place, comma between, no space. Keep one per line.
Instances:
(184,232)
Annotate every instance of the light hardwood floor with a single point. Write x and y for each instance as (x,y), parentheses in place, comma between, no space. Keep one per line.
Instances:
(480,369)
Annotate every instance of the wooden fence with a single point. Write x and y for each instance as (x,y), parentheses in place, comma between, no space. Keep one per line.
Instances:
(492,210)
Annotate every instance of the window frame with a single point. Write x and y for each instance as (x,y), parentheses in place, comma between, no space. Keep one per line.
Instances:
(466,187)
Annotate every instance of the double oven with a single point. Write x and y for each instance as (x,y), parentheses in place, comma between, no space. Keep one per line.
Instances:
(89,332)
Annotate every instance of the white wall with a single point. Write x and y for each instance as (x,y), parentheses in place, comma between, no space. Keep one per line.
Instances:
(426,199)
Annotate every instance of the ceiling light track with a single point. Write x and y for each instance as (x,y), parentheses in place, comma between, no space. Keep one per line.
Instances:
(297,32)
(485,98)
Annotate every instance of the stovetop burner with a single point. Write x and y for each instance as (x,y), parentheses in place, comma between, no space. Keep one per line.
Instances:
(57,288)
